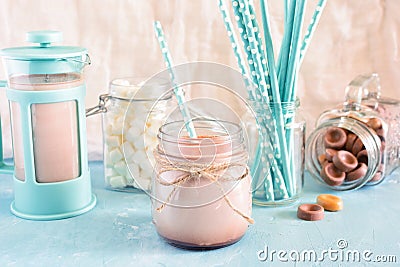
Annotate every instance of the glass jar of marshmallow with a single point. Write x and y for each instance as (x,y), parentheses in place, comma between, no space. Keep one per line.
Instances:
(133,112)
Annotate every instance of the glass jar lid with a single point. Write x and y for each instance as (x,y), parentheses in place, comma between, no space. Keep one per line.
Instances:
(44,50)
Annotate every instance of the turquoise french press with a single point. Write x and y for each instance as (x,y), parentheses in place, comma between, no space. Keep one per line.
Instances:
(46,90)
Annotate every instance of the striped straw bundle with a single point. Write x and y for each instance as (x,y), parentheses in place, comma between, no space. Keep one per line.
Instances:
(273,84)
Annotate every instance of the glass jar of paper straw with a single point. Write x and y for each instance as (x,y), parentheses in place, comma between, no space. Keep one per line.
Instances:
(201,186)
(278,163)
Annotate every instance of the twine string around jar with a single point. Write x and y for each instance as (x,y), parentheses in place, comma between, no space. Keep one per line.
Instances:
(192,171)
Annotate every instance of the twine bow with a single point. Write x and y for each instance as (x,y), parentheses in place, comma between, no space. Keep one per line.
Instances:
(196,171)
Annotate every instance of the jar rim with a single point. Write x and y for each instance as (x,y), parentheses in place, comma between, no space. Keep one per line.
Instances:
(369,139)
(295,103)
(234,134)
(163,88)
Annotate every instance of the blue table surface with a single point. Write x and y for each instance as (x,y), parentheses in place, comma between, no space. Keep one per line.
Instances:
(119,232)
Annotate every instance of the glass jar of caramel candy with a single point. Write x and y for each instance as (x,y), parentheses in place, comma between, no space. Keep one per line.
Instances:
(357,143)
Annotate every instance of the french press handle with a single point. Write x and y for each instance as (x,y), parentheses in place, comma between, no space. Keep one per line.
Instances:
(4,168)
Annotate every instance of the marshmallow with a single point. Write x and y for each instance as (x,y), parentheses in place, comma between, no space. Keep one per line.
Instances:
(146,168)
(120,168)
(139,123)
(118,182)
(127,150)
(115,155)
(141,110)
(133,134)
(113,141)
(140,156)
(130,135)
(139,143)
(133,170)
(130,116)
(107,161)
(117,128)
(109,173)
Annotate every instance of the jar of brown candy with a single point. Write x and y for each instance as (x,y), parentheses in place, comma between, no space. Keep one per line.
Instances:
(358,142)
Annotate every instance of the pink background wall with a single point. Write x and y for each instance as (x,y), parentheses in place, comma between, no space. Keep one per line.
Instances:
(353,37)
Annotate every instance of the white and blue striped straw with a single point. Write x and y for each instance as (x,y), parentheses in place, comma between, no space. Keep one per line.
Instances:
(235,46)
(311,28)
(177,90)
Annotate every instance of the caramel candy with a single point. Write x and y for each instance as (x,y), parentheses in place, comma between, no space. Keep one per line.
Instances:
(310,212)
(344,161)
(362,156)
(346,158)
(335,138)
(322,159)
(331,175)
(357,146)
(329,153)
(330,202)
(381,134)
(375,123)
(350,141)
(376,177)
(358,173)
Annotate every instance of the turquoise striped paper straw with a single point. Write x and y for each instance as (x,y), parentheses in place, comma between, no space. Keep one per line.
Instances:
(311,29)
(249,9)
(239,18)
(254,76)
(177,90)
(235,46)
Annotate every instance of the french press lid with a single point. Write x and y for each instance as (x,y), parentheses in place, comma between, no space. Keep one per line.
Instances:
(45,49)
(44,58)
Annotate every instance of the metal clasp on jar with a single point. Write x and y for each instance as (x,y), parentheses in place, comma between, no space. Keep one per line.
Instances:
(100,108)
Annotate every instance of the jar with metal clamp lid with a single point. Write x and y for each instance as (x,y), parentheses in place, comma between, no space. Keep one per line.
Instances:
(133,111)
(357,143)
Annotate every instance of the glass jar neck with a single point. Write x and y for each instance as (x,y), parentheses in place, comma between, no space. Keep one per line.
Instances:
(217,141)
(369,138)
(140,89)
